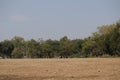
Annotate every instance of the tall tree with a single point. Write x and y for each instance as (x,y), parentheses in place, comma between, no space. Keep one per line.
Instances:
(19,44)
(65,47)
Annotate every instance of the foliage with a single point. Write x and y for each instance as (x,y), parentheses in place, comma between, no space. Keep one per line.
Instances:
(6,48)
(103,43)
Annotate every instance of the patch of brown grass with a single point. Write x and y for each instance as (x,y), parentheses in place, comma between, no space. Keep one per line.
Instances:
(60,69)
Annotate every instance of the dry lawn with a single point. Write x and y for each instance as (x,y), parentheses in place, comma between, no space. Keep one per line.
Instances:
(60,69)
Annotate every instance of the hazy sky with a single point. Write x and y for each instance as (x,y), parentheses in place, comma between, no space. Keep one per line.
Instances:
(55,18)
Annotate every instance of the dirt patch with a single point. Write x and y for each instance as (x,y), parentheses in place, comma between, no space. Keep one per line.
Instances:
(60,69)
(15,77)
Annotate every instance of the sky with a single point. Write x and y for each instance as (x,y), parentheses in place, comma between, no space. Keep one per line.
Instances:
(53,19)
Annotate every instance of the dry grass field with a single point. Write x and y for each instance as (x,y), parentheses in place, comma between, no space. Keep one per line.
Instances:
(60,69)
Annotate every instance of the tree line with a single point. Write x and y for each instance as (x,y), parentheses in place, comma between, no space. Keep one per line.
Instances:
(103,43)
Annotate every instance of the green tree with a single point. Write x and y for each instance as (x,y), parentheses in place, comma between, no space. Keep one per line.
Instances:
(54,46)
(65,47)
(17,53)
(19,44)
(76,48)
(6,48)
(33,49)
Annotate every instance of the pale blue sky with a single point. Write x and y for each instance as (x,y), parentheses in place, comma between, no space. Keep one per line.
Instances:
(55,18)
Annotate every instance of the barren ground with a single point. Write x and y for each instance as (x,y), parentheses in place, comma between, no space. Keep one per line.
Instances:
(60,69)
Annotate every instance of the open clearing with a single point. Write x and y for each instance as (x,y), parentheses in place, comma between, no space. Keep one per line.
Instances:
(60,69)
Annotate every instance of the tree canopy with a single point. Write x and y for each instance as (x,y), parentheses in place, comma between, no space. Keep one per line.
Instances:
(103,43)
